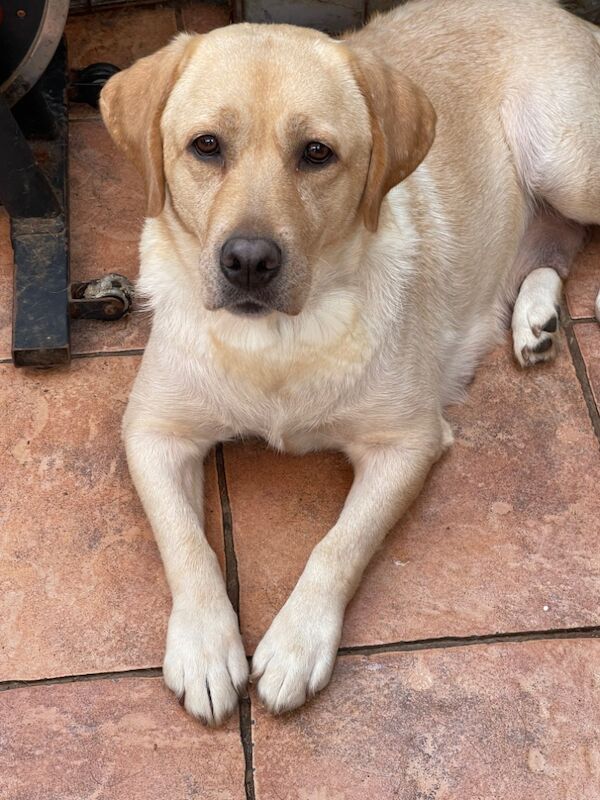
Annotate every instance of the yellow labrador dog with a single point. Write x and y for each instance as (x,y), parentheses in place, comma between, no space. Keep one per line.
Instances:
(336,229)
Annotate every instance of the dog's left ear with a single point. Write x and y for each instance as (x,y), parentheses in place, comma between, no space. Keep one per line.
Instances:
(402,124)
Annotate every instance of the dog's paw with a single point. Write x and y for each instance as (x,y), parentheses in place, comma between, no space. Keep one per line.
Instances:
(536,317)
(296,656)
(205,664)
(536,334)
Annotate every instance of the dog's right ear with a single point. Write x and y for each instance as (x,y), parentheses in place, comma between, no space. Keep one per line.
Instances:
(132,103)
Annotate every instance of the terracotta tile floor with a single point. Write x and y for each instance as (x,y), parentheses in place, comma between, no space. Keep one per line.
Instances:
(469,668)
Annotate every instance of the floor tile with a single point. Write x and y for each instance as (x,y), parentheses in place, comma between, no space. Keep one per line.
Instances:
(81,583)
(107,208)
(124,739)
(584,283)
(203,17)
(503,538)
(119,36)
(500,722)
(588,338)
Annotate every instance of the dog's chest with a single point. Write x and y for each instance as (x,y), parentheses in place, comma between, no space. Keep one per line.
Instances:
(288,390)
(282,373)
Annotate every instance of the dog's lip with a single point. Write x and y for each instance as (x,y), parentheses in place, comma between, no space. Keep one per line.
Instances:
(249,308)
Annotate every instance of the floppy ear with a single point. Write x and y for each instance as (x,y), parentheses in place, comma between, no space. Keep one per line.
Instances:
(132,103)
(402,125)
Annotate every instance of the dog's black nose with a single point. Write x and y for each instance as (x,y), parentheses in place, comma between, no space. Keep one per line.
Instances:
(250,263)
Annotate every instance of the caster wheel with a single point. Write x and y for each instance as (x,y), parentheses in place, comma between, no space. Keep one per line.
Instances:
(115,286)
(87,83)
(108,298)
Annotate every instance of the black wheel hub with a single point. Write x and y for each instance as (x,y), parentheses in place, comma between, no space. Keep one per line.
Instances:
(30,31)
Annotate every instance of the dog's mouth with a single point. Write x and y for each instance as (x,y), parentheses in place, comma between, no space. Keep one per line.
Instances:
(254,305)
(249,308)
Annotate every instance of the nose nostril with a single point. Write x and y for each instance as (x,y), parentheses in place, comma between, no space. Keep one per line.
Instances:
(250,263)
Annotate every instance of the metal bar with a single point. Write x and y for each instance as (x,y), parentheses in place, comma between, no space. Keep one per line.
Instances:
(24,189)
(33,116)
(41,243)
(237,9)
(41,322)
(332,16)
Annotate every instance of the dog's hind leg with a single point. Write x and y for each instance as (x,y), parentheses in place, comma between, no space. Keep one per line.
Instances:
(544,258)
(551,118)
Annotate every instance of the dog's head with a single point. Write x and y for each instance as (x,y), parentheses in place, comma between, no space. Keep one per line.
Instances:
(266,145)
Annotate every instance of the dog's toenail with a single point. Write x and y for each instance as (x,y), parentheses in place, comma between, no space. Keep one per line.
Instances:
(551,325)
(544,345)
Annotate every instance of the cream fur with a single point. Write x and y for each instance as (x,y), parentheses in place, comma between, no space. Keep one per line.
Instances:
(384,328)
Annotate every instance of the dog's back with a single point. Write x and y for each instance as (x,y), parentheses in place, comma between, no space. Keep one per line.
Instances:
(516,88)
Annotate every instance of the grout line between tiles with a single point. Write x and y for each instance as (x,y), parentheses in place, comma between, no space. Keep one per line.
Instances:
(233,591)
(136,351)
(76,115)
(582,375)
(148,672)
(231,571)
(466,641)
(247,745)
(552,634)
(583,320)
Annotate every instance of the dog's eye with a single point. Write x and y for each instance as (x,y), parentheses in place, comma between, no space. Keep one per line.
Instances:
(206,145)
(317,153)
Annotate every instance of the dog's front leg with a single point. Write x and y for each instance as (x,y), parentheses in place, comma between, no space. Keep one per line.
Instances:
(296,656)
(204,658)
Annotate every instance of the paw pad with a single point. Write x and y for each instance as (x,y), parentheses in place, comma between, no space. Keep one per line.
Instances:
(552,325)
(544,345)
(535,343)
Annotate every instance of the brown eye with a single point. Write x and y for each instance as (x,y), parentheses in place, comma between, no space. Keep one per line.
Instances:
(206,145)
(317,153)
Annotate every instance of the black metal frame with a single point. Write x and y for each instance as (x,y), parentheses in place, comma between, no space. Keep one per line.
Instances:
(34,191)
(36,199)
